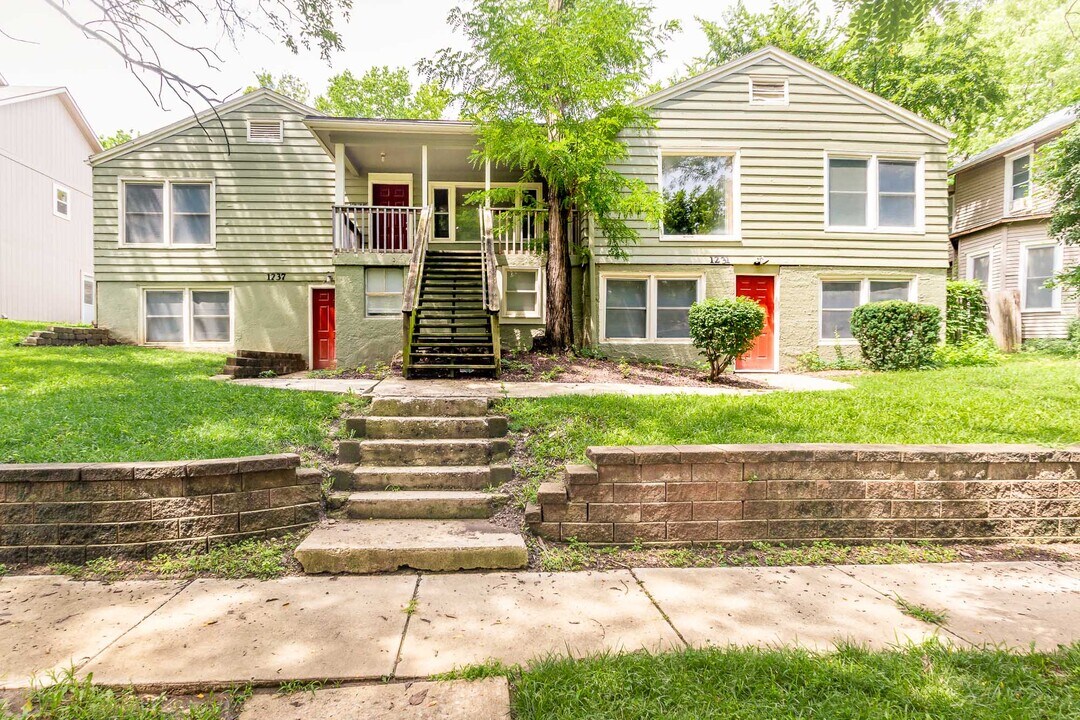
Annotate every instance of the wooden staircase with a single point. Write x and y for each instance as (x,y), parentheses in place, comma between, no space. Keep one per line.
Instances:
(451,310)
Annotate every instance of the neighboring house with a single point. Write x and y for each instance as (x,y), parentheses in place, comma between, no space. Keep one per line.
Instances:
(785,184)
(46,219)
(999,226)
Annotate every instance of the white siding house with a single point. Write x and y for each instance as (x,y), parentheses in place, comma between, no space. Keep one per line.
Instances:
(46,213)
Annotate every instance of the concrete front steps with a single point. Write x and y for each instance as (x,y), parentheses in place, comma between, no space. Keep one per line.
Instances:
(414,489)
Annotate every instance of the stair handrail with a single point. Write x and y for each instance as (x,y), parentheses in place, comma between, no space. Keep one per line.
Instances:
(490,285)
(410,297)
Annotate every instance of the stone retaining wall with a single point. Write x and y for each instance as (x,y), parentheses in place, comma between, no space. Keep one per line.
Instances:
(60,335)
(77,512)
(802,493)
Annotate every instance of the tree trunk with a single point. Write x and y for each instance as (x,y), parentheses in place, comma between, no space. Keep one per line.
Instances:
(560,317)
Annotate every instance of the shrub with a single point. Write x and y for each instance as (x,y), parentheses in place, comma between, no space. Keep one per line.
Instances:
(965,311)
(1074,331)
(724,329)
(976,351)
(896,335)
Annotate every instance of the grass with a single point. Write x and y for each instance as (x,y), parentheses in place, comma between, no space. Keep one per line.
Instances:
(1028,399)
(921,612)
(123,403)
(916,682)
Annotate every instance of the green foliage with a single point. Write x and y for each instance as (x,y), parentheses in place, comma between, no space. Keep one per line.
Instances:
(1058,168)
(972,352)
(897,335)
(813,362)
(921,612)
(119,137)
(125,403)
(965,311)
(928,680)
(725,328)
(264,559)
(695,212)
(285,84)
(382,92)
(1068,346)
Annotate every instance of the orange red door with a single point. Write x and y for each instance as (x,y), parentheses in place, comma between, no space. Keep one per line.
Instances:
(322,323)
(761,288)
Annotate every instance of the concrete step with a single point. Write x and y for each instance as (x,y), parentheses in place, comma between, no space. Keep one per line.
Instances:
(370,546)
(378,428)
(423,504)
(431,452)
(420,477)
(429,407)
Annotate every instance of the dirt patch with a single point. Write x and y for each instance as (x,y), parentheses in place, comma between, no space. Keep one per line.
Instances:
(571,368)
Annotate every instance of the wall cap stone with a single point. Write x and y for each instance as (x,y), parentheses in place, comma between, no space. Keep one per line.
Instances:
(150,470)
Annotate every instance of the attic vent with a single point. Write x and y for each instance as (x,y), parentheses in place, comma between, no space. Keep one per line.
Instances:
(768,91)
(265,131)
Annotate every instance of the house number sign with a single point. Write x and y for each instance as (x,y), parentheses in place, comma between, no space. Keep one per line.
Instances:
(275,277)
(719,260)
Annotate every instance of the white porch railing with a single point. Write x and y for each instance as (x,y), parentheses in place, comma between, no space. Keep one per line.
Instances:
(519,231)
(370,228)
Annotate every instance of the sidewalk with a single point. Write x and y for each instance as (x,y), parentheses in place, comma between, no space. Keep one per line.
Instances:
(393,387)
(196,634)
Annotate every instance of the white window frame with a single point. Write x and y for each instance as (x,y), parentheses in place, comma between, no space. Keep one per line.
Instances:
(650,305)
(368,293)
(1025,248)
(1018,206)
(188,316)
(872,194)
(989,255)
(166,209)
(538,313)
(736,189)
(768,79)
(267,141)
(452,187)
(57,188)
(864,298)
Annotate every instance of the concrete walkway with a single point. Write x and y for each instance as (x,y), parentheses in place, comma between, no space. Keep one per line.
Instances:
(157,634)
(396,387)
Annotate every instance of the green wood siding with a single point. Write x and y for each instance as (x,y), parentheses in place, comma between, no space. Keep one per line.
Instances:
(782,157)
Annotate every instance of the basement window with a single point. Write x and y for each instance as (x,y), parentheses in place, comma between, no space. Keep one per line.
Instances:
(383,288)
(265,131)
(768,91)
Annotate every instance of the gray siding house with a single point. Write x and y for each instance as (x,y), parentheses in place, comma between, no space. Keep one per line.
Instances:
(46,214)
(278,229)
(1000,221)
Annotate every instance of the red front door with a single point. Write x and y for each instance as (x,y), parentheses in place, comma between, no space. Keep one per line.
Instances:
(390,228)
(322,323)
(762,356)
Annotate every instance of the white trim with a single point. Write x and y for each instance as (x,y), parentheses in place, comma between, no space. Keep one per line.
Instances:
(87,317)
(970,269)
(752,79)
(452,185)
(166,210)
(650,305)
(536,315)
(187,318)
(339,175)
(864,297)
(812,71)
(1025,248)
(268,140)
(1018,207)
(873,192)
(367,293)
(735,204)
(311,319)
(57,188)
(377,178)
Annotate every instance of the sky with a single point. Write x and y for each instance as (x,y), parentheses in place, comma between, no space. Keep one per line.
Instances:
(49,51)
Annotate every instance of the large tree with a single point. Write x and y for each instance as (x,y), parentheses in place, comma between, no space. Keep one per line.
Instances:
(382,92)
(119,137)
(550,86)
(285,84)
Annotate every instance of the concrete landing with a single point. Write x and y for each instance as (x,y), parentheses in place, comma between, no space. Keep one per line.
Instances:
(487,699)
(387,545)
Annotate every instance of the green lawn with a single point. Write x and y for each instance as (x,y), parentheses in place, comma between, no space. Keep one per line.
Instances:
(917,683)
(98,404)
(1028,399)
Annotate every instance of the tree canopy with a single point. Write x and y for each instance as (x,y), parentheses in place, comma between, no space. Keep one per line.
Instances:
(285,84)
(382,92)
(1058,169)
(119,137)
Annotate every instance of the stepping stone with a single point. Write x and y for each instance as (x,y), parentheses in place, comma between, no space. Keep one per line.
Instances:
(487,699)
(417,477)
(430,504)
(432,452)
(387,545)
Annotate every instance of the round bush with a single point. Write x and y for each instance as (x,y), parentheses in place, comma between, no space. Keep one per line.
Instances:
(725,328)
(897,335)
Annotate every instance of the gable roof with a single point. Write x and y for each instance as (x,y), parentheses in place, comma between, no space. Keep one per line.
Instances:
(12,94)
(206,115)
(1052,124)
(813,71)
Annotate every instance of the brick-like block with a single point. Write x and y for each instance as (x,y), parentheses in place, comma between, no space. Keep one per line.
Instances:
(356,426)
(618,473)
(160,470)
(717,472)
(916,508)
(202,468)
(196,527)
(1012,489)
(267,479)
(565,512)
(35,491)
(551,493)
(610,455)
(667,512)
(171,547)
(16,513)
(593,493)
(241,502)
(348,452)
(93,491)
(548,531)
(656,454)
(666,472)
(63,512)
(86,534)
(12,555)
(213,485)
(865,508)
(123,511)
(587,532)
(264,519)
(691,492)
(295,495)
(306,514)
(768,471)
(165,508)
(533,513)
(1062,507)
(498,426)
(890,489)
(54,554)
(97,472)
(262,463)
(134,551)
(742,530)
(815,470)
(965,509)
(940,490)
(147,531)
(28,535)
(40,472)
(614,512)
(150,489)
(743,490)
(643,532)
(729,510)
(816,490)
(691,531)
(640,492)
(762,509)
(581,475)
